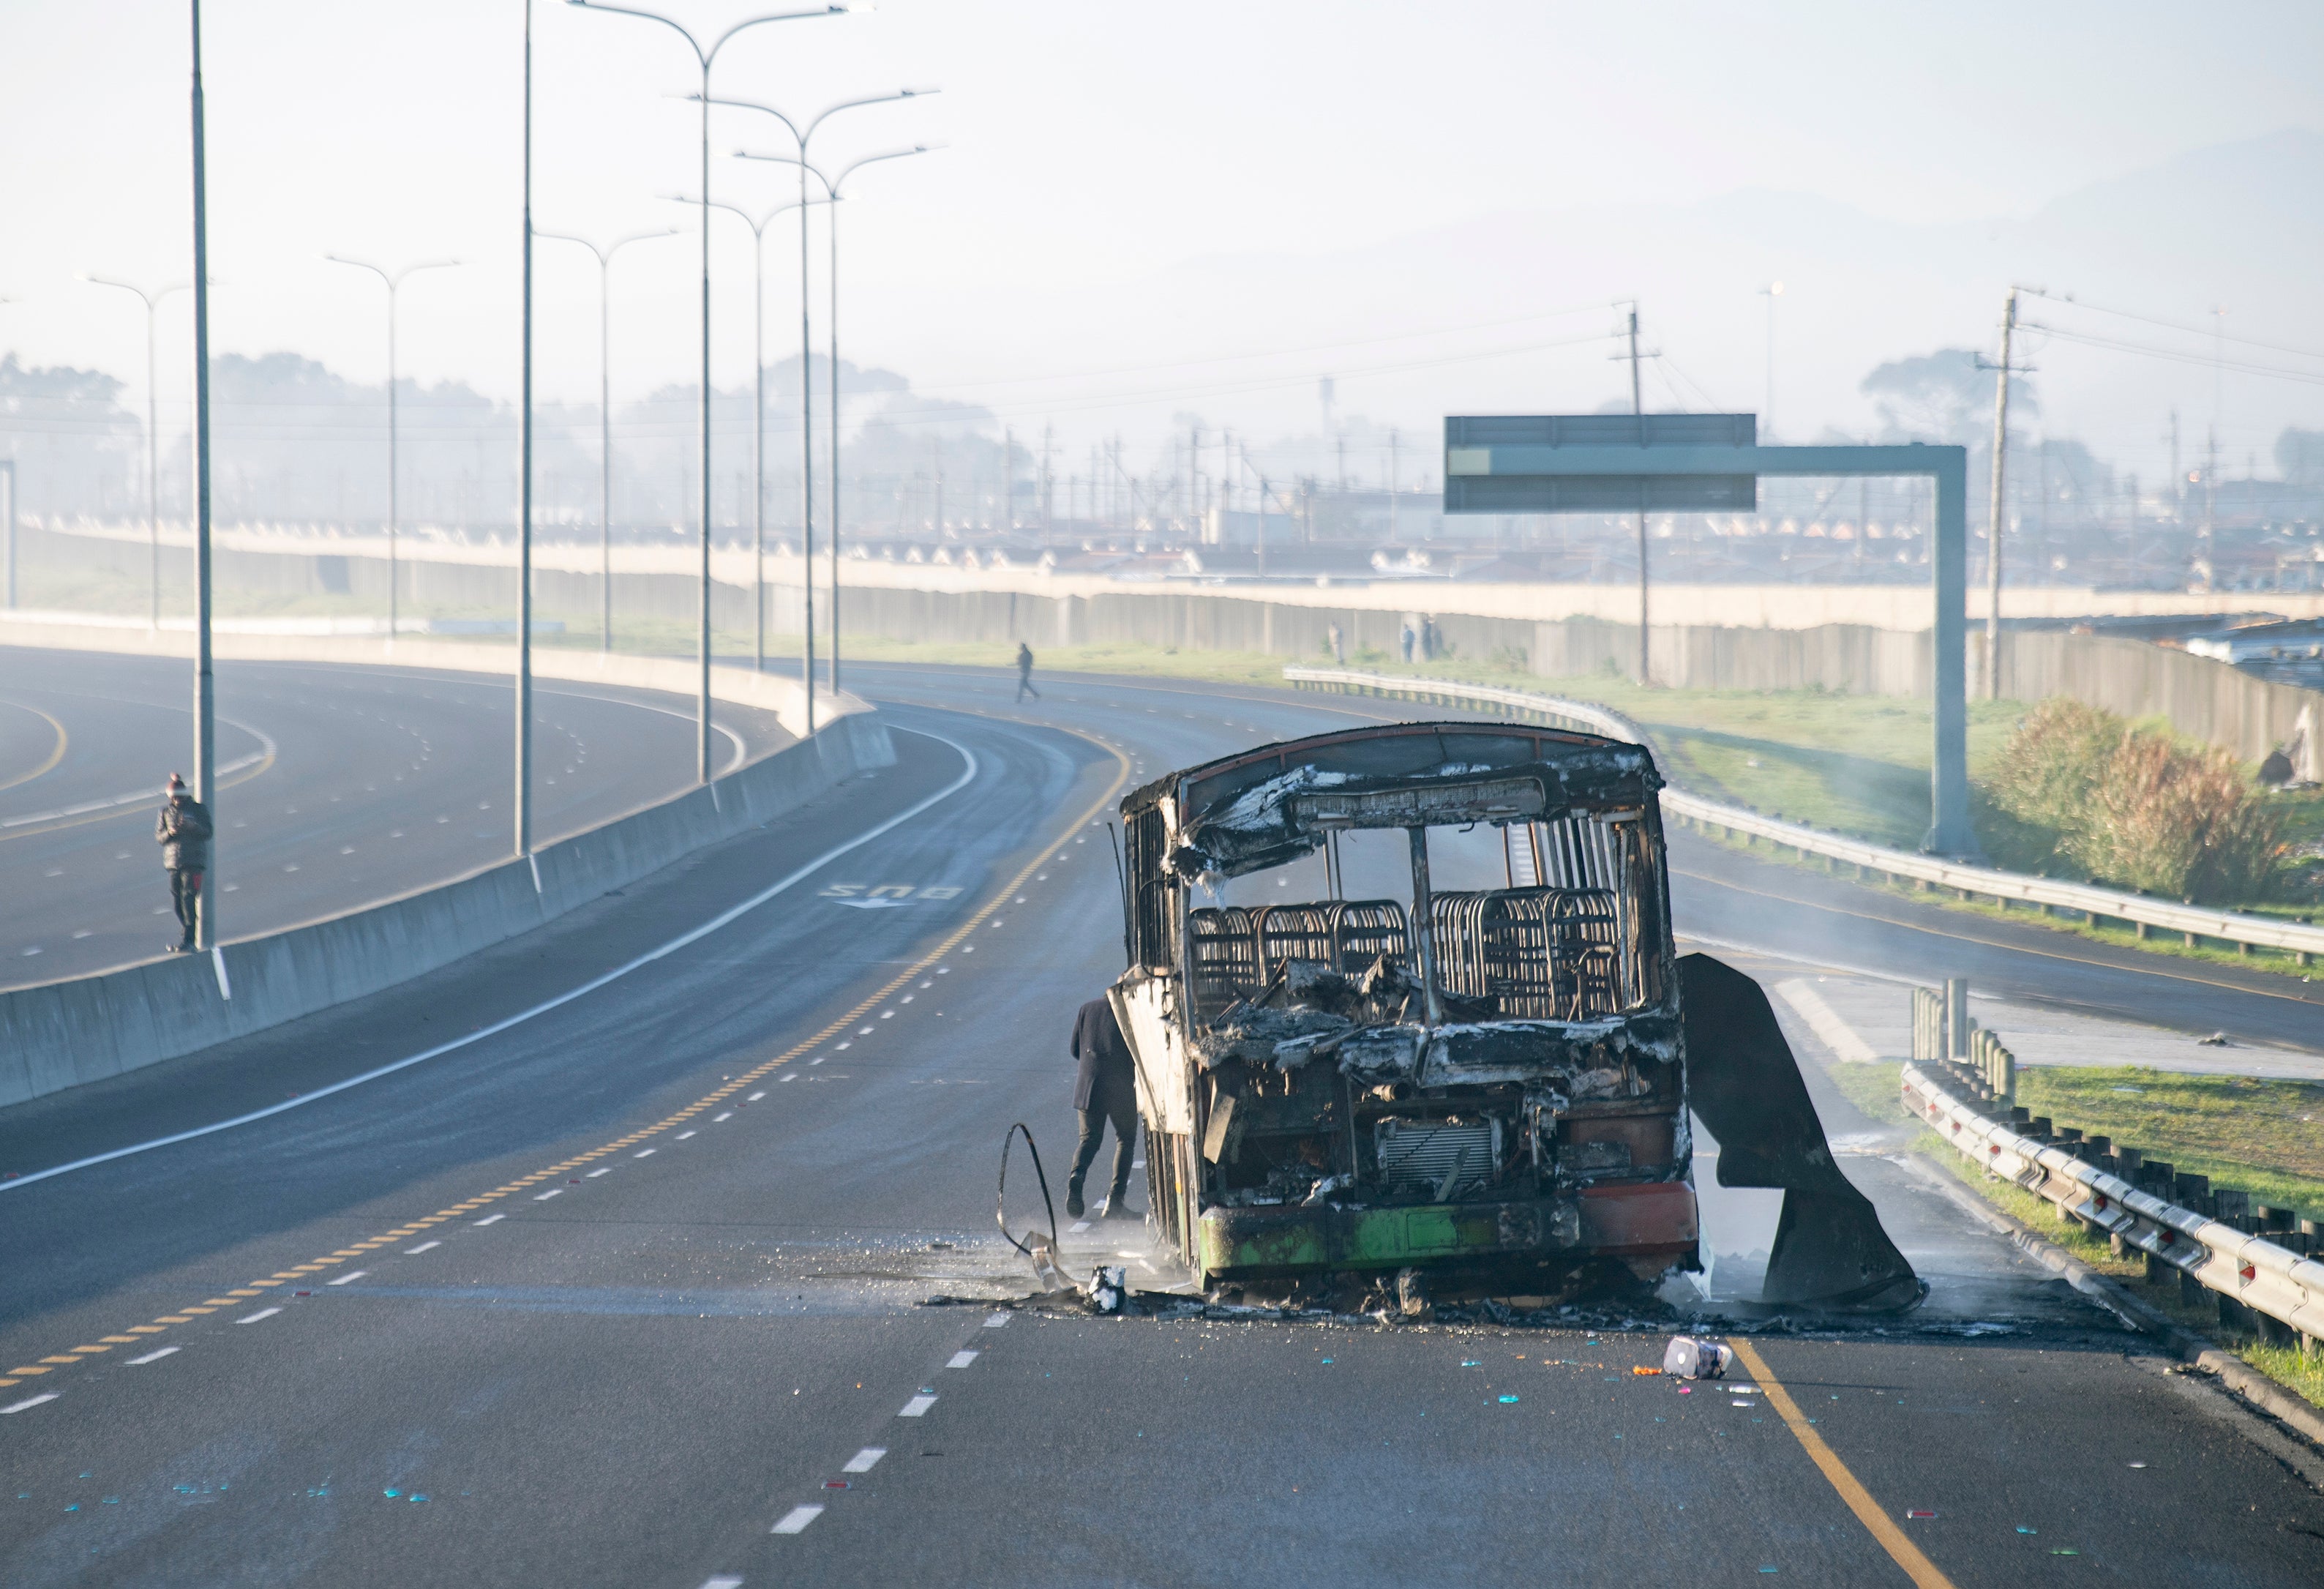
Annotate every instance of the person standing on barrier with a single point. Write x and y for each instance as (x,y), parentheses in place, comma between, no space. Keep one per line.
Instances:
(1105,1088)
(1024,672)
(183,831)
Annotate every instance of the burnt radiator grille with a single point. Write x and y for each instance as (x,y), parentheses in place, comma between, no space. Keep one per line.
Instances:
(1437,1158)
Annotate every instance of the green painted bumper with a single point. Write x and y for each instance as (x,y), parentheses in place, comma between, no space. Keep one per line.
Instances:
(1610,1220)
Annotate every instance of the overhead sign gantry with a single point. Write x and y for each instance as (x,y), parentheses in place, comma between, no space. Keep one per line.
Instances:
(1713,463)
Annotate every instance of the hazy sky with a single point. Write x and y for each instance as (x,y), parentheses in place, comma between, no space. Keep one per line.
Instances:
(1112,167)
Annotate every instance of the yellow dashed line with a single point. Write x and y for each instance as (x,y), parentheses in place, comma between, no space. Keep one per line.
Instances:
(951,942)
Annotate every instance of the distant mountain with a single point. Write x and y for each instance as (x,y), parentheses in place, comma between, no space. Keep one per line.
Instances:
(2240,223)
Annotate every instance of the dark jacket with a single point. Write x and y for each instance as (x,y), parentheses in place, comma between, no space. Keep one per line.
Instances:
(1106,1078)
(183,832)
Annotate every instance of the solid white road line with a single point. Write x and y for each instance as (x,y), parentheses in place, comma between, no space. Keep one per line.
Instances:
(255,1317)
(353,1274)
(795,1522)
(488,1219)
(152,1356)
(918,1407)
(423,1247)
(961,1360)
(683,940)
(27,1401)
(552,1191)
(865,1460)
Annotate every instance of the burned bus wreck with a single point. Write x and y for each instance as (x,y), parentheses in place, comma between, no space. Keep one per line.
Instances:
(1490,1083)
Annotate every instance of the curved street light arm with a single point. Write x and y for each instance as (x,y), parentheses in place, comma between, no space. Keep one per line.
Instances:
(788,125)
(679,28)
(787,160)
(845,172)
(829,111)
(152,298)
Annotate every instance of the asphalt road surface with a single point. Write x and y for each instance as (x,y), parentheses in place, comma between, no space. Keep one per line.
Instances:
(340,786)
(633,1288)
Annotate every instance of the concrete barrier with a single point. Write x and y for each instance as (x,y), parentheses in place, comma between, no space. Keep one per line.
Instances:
(66,1033)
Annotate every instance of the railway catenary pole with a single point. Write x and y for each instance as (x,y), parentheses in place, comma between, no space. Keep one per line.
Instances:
(707,58)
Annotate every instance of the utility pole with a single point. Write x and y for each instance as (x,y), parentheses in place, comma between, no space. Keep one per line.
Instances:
(1394,443)
(1638,409)
(1048,484)
(1996,512)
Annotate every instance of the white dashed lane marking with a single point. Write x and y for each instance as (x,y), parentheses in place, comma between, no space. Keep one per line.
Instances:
(961,1360)
(255,1317)
(716,1118)
(552,1191)
(645,1152)
(594,1174)
(754,1097)
(423,1247)
(27,1401)
(865,1460)
(682,1136)
(722,1583)
(488,1219)
(151,1357)
(795,1522)
(353,1274)
(918,1407)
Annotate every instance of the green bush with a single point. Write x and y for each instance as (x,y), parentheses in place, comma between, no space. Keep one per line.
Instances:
(2136,807)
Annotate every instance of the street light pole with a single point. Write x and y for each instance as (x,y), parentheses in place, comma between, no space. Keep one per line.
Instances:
(707,58)
(151,301)
(606,417)
(394,280)
(831,187)
(1771,292)
(802,136)
(758,417)
(205,681)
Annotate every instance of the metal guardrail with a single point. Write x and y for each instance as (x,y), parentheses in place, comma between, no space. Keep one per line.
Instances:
(2300,940)
(2270,1281)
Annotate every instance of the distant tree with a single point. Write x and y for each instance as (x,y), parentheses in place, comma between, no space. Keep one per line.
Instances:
(2300,454)
(1943,396)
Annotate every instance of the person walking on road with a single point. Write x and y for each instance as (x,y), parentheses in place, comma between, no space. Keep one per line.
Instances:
(1024,672)
(183,831)
(1105,1089)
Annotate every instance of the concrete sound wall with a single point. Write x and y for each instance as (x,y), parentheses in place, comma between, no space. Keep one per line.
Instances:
(66,1033)
(2202,697)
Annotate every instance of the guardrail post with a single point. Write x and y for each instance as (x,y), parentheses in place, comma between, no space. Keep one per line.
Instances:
(1957,1026)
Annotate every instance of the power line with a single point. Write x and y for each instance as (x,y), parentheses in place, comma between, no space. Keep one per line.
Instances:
(2175,355)
(2205,332)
